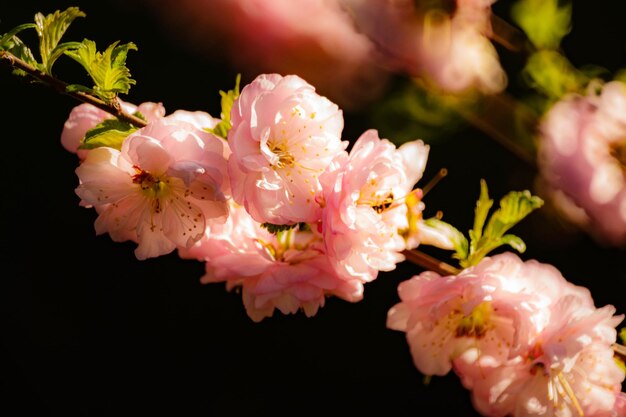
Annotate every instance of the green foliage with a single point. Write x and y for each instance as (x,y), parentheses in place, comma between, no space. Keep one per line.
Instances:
(459,242)
(228,99)
(50,29)
(514,207)
(622,335)
(412,110)
(107,69)
(110,133)
(553,75)
(488,233)
(9,42)
(545,22)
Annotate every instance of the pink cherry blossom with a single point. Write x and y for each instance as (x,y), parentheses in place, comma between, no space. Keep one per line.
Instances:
(289,271)
(160,190)
(283,137)
(479,318)
(569,370)
(447,46)
(364,204)
(582,157)
(86,116)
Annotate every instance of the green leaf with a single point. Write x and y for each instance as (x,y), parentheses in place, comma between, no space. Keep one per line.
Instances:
(452,234)
(7,38)
(483,205)
(515,242)
(622,334)
(107,69)
(50,29)
(552,74)
(110,133)
(58,51)
(78,88)
(411,110)
(9,42)
(514,207)
(545,22)
(227,101)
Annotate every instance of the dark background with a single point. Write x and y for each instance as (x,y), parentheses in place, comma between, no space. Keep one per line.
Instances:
(88,330)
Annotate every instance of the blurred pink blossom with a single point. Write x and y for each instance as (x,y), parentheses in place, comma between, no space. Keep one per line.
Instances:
(448,45)
(160,190)
(364,204)
(582,157)
(289,272)
(348,49)
(283,137)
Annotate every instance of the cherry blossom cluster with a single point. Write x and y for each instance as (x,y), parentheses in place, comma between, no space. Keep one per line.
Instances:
(525,341)
(286,211)
(279,208)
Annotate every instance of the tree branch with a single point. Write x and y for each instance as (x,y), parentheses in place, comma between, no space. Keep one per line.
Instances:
(114,109)
(428,262)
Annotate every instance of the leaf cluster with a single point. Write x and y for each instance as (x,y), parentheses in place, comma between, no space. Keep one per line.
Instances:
(107,69)
(489,232)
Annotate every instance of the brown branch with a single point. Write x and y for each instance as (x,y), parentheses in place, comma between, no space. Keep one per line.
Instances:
(507,35)
(61,87)
(428,262)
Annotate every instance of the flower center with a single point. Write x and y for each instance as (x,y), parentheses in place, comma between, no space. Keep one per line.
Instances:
(383,204)
(152,187)
(285,158)
(618,151)
(476,324)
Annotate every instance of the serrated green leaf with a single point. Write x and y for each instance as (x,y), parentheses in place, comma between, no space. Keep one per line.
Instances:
(513,241)
(227,101)
(451,234)
(513,208)
(58,51)
(545,22)
(6,38)
(50,29)
(483,205)
(110,133)
(78,88)
(9,42)
(107,69)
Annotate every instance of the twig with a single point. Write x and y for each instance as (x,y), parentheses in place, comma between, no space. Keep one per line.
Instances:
(509,36)
(428,262)
(620,350)
(61,87)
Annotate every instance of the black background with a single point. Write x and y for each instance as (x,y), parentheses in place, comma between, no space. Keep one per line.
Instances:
(88,330)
